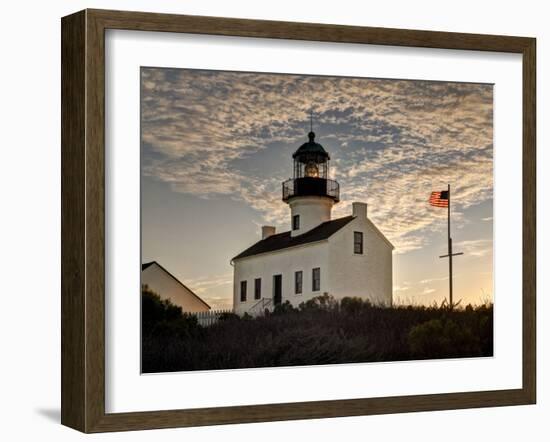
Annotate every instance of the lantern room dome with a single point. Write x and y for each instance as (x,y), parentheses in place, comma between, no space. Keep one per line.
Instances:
(311,149)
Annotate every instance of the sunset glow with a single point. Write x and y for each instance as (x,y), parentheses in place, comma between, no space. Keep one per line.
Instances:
(216,146)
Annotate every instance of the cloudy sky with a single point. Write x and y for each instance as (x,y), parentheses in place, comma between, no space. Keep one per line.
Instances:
(217,145)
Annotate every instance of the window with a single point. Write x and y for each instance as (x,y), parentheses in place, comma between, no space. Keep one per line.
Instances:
(298,278)
(316,279)
(257,288)
(358,243)
(243,291)
(295,222)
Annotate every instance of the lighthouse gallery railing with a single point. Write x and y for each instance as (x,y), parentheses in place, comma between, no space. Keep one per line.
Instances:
(309,186)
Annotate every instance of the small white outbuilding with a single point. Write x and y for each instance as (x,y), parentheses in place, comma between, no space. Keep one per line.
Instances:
(167,286)
(341,257)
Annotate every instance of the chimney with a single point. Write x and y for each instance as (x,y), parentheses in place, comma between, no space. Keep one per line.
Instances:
(359,210)
(267,231)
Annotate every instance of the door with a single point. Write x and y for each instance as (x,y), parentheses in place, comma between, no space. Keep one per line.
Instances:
(277,289)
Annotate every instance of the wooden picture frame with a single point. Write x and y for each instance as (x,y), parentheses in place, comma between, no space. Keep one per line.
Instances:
(83,220)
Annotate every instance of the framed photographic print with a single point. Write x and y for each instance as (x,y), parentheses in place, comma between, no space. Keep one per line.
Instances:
(267,221)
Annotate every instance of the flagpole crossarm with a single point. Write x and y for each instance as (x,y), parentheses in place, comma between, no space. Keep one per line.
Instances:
(452,254)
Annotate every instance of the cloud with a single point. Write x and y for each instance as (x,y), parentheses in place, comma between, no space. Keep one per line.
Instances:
(429,281)
(401,288)
(209,283)
(391,141)
(477,248)
(213,289)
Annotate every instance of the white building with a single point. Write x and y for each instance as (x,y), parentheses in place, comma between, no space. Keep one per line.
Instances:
(167,286)
(342,257)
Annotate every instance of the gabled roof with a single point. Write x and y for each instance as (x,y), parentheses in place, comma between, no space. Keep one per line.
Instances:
(285,240)
(149,264)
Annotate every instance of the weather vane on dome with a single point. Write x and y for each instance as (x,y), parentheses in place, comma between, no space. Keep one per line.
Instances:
(311,120)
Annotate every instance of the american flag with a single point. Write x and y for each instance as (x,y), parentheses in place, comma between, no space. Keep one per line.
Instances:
(440,199)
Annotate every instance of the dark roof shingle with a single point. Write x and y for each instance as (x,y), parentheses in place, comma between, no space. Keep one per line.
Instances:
(285,240)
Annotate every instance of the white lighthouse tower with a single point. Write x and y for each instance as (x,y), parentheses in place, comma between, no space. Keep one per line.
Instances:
(310,193)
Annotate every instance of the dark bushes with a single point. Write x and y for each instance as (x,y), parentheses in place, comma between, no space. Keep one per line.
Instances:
(443,338)
(320,331)
(161,318)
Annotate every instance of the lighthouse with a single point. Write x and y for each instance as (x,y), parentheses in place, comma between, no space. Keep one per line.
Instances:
(318,255)
(311,194)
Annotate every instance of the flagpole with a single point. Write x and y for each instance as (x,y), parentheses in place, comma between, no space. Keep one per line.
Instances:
(450,247)
(437,200)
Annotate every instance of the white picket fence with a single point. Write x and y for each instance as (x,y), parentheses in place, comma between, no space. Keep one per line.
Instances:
(210,317)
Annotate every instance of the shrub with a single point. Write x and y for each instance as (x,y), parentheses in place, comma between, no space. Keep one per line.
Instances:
(322,302)
(320,331)
(154,309)
(161,318)
(442,338)
(228,316)
(352,305)
(284,308)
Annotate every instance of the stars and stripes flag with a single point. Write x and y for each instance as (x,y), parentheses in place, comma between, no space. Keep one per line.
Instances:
(440,199)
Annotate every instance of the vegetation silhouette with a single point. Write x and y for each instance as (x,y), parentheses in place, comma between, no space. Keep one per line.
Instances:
(321,330)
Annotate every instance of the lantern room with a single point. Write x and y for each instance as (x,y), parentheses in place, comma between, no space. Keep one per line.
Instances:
(311,173)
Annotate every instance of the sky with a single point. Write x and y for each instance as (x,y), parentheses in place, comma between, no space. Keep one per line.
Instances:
(216,145)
